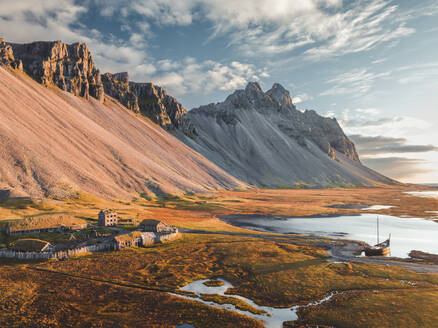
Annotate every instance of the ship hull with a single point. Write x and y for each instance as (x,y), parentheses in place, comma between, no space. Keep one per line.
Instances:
(377,251)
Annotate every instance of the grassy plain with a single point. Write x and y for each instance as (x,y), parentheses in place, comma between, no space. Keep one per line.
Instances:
(128,288)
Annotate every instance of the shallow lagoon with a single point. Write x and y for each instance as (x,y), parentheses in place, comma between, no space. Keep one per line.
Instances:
(406,233)
(273,318)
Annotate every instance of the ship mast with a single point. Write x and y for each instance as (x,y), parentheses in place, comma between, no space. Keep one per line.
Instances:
(378,242)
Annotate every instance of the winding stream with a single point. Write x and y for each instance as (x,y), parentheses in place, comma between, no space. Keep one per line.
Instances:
(273,318)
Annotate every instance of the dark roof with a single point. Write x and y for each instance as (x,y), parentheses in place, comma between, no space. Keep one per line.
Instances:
(150,222)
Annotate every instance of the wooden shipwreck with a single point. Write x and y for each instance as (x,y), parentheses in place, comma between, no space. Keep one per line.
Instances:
(381,248)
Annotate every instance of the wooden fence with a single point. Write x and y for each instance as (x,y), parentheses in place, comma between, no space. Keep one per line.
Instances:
(151,239)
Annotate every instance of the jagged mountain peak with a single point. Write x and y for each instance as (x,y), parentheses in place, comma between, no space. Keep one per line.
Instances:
(280,95)
(253,97)
(260,138)
(253,86)
(70,67)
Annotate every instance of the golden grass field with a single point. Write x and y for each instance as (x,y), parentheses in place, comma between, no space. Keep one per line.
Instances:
(128,288)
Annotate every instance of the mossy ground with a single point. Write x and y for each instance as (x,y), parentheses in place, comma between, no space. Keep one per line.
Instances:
(127,288)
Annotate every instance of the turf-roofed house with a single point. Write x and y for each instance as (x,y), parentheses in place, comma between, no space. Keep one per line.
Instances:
(45,223)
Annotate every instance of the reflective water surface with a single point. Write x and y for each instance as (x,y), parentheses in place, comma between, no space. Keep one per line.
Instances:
(377,207)
(273,318)
(406,233)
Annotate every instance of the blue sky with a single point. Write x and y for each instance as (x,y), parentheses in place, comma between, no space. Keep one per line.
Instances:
(371,63)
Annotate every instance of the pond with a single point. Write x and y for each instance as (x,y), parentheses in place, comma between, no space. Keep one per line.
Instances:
(272,318)
(377,207)
(406,233)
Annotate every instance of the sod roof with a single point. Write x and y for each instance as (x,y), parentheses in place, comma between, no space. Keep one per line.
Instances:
(29,245)
(44,222)
(128,236)
(150,222)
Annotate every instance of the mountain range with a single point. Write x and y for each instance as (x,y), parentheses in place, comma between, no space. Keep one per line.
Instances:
(262,139)
(67,127)
(67,135)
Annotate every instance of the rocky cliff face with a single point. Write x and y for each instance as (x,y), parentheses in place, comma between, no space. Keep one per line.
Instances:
(53,145)
(69,67)
(155,103)
(277,104)
(150,100)
(7,56)
(117,86)
(261,138)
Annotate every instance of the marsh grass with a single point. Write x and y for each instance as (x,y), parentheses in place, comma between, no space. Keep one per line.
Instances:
(239,304)
(213,283)
(269,272)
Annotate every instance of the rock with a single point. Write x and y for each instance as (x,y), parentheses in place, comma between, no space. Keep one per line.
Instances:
(155,103)
(326,133)
(7,58)
(280,95)
(150,100)
(262,139)
(277,103)
(187,127)
(331,152)
(69,67)
(117,86)
(53,145)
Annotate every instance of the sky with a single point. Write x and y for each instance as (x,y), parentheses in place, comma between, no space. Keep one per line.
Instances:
(372,64)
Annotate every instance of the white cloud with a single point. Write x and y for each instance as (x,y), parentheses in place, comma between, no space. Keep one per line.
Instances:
(418,73)
(360,81)
(330,114)
(167,65)
(369,122)
(370,111)
(379,61)
(357,81)
(301,97)
(28,20)
(326,28)
(400,168)
(319,27)
(192,76)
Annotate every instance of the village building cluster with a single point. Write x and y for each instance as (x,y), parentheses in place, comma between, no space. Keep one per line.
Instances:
(148,232)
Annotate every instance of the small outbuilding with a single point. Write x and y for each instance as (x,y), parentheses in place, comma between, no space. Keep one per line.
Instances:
(152,225)
(107,218)
(128,240)
(135,238)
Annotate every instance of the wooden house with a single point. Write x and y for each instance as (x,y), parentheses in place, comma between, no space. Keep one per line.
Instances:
(152,225)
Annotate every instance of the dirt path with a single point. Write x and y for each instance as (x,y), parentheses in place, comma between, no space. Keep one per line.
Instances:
(343,253)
